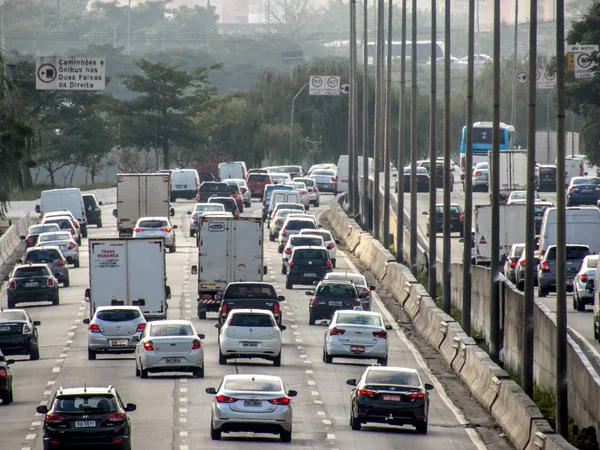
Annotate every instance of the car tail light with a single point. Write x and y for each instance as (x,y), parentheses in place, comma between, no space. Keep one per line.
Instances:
(314,301)
(336,331)
(94,328)
(278,222)
(284,233)
(195,216)
(572,191)
(276,311)
(72,230)
(522,262)
(367,393)
(420,394)
(76,223)
(166,229)
(117,417)
(513,264)
(26,329)
(380,334)
(3,373)
(237,213)
(138,230)
(303,192)
(542,252)
(54,418)
(356,303)
(315,189)
(288,251)
(461,217)
(280,401)
(61,262)
(72,246)
(198,197)
(225,399)
(12,284)
(331,245)
(196,344)
(149,346)
(583,278)
(291,264)
(477,174)
(328,264)
(224,311)
(29,240)
(141,327)
(544,267)
(50,282)
(333,180)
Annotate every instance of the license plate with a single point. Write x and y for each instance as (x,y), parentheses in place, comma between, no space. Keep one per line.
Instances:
(357,348)
(569,282)
(173,360)
(391,398)
(250,344)
(4,328)
(252,403)
(31,284)
(179,186)
(85,423)
(308,275)
(119,342)
(335,303)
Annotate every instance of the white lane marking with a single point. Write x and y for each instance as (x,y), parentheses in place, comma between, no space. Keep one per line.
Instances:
(182,389)
(314,393)
(56,369)
(182,410)
(183,380)
(311,382)
(330,436)
(299,340)
(182,419)
(42,403)
(326,422)
(182,433)
(183,400)
(317,402)
(63,355)
(421,362)
(309,372)
(25,448)
(183,447)
(307,361)
(300,347)
(294,326)
(320,413)
(47,393)
(30,436)
(37,423)
(50,383)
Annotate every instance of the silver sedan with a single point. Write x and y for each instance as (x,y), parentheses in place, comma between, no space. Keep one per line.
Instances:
(583,284)
(63,240)
(251,403)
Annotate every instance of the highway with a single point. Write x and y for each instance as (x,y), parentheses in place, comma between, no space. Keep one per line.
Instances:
(173,410)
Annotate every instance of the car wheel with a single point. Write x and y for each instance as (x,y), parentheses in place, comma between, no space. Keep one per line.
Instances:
(520,286)
(596,334)
(172,249)
(143,372)
(285,436)
(222,358)
(308,207)
(67,282)
(327,359)
(137,370)
(280,249)
(91,355)
(99,225)
(271,237)
(421,427)
(311,320)
(574,302)
(199,372)
(76,264)
(382,361)
(202,315)
(288,285)
(248,205)
(215,435)
(10,304)
(127,445)
(5,396)
(56,299)
(283,269)
(317,204)
(34,354)
(277,360)
(79,241)
(542,292)
(191,233)
(355,423)
(333,262)
(580,305)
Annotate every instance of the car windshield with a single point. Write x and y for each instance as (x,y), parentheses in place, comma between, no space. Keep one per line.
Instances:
(24,272)
(214,187)
(62,223)
(259,177)
(358,319)
(308,182)
(118,315)
(579,181)
(254,384)
(325,173)
(55,237)
(454,209)
(539,210)
(326,235)
(518,195)
(292,169)
(482,166)
(251,320)
(299,185)
(10,316)
(42,255)
(336,290)
(228,203)
(209,207)
(85,403)
(238,291)
(171,329)
(154,223)
(299,225)
(358,280)
(308,241)
(393,378)
(281,213)
(38,229)
(309,254)
(547,171)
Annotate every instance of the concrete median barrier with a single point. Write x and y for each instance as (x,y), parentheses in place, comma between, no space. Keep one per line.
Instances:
(552,442)
(482,376)
(451,346)
(379,259)
(398,281)
(432,323)
(412,306)
(10,241)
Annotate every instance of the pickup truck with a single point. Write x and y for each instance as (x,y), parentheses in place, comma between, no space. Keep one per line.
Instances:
(210,189)
(253,295)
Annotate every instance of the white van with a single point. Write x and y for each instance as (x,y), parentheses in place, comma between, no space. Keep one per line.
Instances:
(68,199)
(184,184)
(283,197)
(233,170)
(343,171)
(582,227)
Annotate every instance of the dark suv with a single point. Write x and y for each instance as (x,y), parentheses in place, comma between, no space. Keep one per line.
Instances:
(546,181)
(210,189)
(456,219)
(6,389)
(439,173)
(18,333)
(307,265)
(92,210)
(547,267)
(329,297)
(87,416)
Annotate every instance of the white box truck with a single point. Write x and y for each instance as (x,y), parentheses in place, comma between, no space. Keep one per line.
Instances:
(229,249)
(141,195)
(512,171)
(512,230)
(129,272)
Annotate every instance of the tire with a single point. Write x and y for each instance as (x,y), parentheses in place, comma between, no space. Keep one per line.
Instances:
(277,360)
(317,204)
(215,435)
(355,423)
(421,427)
(34,354)
(333,262)
(271,237)
(84,232)
(580,305)
(99,225)
(137,371)
(172,249)
(191,233)
(289,285)
(143,372)
(248,205)
(382,361)
(596,334)
(327,359)
(198,373)
(285,436)
(520,286)
(283,269)
(127,445)
(311,320)
(542,292)
(67,282)
(56,300)
(280,249)
(308,207)
(92,356)
(202,315)
(10,304)
(76,264)
(79,241)
(5,396)
(222,359)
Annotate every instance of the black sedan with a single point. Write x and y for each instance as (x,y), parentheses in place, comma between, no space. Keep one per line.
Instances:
(422,180)
(439,173)
(6,389)
(390,395)
(583,191)
(18,334)
(456,219)
(329,297)
(32,283)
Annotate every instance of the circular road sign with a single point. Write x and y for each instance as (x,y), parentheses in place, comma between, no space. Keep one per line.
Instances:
(522,77)
(317,82)
(332,82)
(46,73)
(584,60)
(538,75)
(549,75)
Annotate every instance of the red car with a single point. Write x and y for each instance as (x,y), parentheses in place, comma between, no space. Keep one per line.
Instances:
(257,182)
(237,196)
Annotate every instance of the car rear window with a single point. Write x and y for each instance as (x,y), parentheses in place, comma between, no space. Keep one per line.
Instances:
(356,279)
(25,272)
(308,182)
(292,169)
(39,229)
(574,253)
(152,223)
(300,224)
(259,177)
(118,315)
(310,254)
(251,320)
(548,172)
(253,385)
(359,319)
(9,316)
(85,403)
(237,291)
(62,223)
(393,378)
(580,181)
(211,207)
(336,290)
(326,235)
(326,173)
(308,241)
(42,255)
(214,187)
(228,203)
(171,329)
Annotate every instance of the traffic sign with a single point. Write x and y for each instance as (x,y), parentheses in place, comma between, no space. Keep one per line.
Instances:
(57,73)
(522,77)
(544,79)
(584,65)
(324,85)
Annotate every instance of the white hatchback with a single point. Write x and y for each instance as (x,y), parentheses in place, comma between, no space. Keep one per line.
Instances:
(250,333)
(303,192)
(356,334)
(156,227)
(330,243)
(296,240)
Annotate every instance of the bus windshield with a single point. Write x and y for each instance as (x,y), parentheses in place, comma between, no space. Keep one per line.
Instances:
(482,140)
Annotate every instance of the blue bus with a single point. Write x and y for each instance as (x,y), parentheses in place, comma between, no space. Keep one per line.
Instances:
(482,141)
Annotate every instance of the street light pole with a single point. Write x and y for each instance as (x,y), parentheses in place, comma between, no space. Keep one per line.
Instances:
(388,133)
(379,113)
(446,254)
(513,114)
(413,143)
(432,274)
(128,27)
(292,118)
(365,119)
(401,144)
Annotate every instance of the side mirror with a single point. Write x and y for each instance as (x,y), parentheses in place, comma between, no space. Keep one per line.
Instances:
(87,295)
(130,407)
(168,292)
(115,212)
(86,321)
(388,327)
(461,240)
(218,325)
(428,386)
(189,213)
(425,213)
(218,297)
(372,288)
(19,261)
(10,361)
(311,293)
(175,227)
(172,212)
(211,391)
(265,268)
(194,270)
(338,242)
(282,327)
(6,278)
(281,298)
(23,237)
(100,203)
(37,209)
(351,382)
(292,393)
(315,283)
(42,409)
(201,336)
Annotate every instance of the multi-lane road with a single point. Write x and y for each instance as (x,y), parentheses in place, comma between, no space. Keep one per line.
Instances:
(173,410)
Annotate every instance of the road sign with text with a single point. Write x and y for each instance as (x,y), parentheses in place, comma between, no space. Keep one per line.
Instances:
(580,59)
(57,73)
(324,85)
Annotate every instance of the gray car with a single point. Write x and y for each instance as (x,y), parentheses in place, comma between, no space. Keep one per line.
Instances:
(363,288)
(326,180)
(583,284)
(480,176)
(53,258)
(65,241)
(547,267)
(510,265)
(520,271)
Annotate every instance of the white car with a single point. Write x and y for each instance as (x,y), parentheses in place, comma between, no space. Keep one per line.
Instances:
(358,335)
(330,242)
(296,240)
(292,225)
(313,190)
(65,223)
(280,178)
(251,402)
(199,210)
(169,346)
(250,333)
(64,213)
(520,197)
(277,221)
(244,190)
(153,227)
(303,191)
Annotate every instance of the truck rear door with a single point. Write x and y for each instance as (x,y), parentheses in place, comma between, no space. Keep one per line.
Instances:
(214,254)
(246,241)
(108,274)
(147,278)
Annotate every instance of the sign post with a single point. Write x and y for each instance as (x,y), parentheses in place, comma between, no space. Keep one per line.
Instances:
(57,73)
(324,85)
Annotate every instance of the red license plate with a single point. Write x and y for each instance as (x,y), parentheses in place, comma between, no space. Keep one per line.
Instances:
(357,348)
(391,398)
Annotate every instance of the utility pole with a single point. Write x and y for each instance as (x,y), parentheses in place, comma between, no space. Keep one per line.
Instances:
(57,26)
(413,143)
(379,112)
(365,119)
(513,110)
(388,133)
(530,247)
(495,197)
(401,143)
(354,116)
(351,66)
(446,254)
(129,28)
(432,275)
(562,392)
(468,169)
